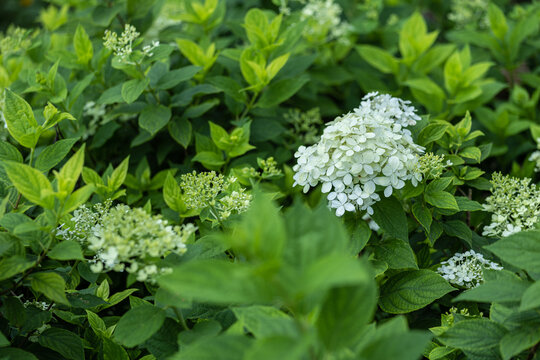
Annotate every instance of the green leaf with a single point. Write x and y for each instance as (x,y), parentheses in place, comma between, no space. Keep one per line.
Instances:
(281,90)
(175,77)
(51,284)
(531,297)
(432,132)
(96,323)
(181,131)
(9,152)
(265,321)
(441,200)
(399,345)
(129,331)
(83,45)
(219,136)
(14,265)
(53,154)
(499,286)
(20,120)
(210,160)
(481,336)
(497,21)
(66,250)
(154,117)
(398,254)
(16,354)
(31,183)
(113,351)
(69,173)
(118,176)
(518,340)
(132,89)
(217,282)
(427,92)
(390,216)
(422,215)
(521,250)
(471,152)
(3,341)
(77,198)
(345,313)
(380,59)
(412,290)
(458,229)
(65,342)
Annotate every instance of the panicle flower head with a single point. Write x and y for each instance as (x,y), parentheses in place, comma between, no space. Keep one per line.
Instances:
(367,147)
(466,269)
(130,239)
(122,45)
(215,191)
(269,168)
(535,157)
(432,166)
(323,19)
(304,125)
(466,13)
(515,204)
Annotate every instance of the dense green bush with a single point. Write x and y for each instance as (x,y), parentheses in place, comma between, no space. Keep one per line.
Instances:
(285,179)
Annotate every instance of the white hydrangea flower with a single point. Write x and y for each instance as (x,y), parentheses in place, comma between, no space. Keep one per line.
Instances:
(515,204)
(361,150)
(125,238)
(466,269)
(324,22)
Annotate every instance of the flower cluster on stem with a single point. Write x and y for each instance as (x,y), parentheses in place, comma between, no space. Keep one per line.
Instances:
(368,147)
(466,269)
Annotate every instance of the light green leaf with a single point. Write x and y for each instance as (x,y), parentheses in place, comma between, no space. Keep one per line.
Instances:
(14,265)
(83,45)
(53,154)
(118,176)
(380,59)
(175,77)
(69,173)
(50,284)
(497,21)
(20,120)
(66,250)
(132,89)
(31,183)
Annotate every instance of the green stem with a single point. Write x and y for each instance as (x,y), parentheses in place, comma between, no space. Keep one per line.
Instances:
(180,317)
(249,105)
(31,156)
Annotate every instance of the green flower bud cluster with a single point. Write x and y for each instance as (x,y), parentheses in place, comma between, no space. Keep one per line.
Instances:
(129,239)
(515,204)
(223,196)
(121,46)
(304,125)
(432,166)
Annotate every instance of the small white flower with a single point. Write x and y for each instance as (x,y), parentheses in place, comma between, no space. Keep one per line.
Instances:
(466,269)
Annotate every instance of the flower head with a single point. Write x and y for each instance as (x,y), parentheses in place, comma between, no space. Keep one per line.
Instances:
(515,204)
(466,269)
(535,157)
(361,150)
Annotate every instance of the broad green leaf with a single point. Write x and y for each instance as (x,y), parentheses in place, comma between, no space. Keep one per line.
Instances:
(51,284)
(480,336)
(518,340)
(432,132)
(412,290)
(77,198)
(53,154)
(175,77)
(14,265)
(521,250)
(390,216)
(265,321)
(31,183)
(181,131)
(217,282)
(132,89)
(441,199)
(499,286)
(223,347)
(20,120)
(154,117)
(380,59)
(9,152)
(422,215)
(398,254)
(96,323)
(281,90)
(66,250)
(345,313)
(210,160)
(531,297)
(497,21)
(403,346)
(129,331)
(65,342)
(16,354)
(113,351)
(83,45)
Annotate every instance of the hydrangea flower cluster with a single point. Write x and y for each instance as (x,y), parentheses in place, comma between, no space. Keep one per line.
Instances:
(515,204)
(129,239)
(368,147)
(466,269)
(535,157)
(304,125)
(324,22)
(121,46)
(469,13)
(432,166)
(223,196)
